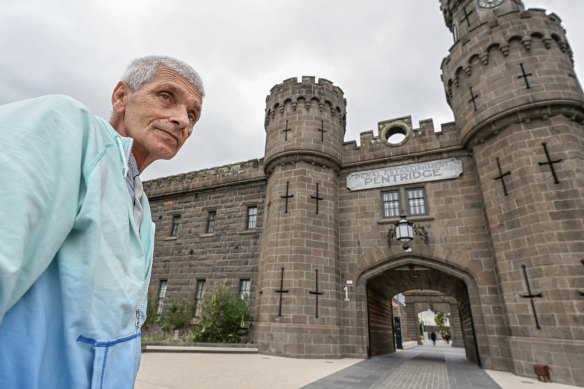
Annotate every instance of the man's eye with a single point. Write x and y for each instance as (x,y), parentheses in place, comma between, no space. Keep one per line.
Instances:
(191,117)
(165,97)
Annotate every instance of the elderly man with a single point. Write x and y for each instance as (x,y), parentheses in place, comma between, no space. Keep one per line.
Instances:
(76,231)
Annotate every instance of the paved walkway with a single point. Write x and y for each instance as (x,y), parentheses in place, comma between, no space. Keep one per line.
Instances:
(421,367)
(436,367)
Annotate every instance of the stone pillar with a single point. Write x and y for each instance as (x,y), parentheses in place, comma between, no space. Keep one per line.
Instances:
(455,326)
(413,328)
(305,124)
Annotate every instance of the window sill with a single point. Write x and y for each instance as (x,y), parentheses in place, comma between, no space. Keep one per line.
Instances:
(170,238)
(247,232)
(208,235)
(413,219)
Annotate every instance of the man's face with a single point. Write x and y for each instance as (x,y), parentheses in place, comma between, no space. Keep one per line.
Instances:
(159,116)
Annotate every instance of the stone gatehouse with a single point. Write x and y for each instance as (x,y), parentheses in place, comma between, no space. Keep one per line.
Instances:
(308,231)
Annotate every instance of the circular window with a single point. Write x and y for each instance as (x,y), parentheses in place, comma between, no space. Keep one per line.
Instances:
(395,134)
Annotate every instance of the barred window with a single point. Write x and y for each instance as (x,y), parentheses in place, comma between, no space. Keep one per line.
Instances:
(252,213)
(416,198)
(161,295)
(390,203)
(175,223)
(199,293)
(211,222)
(244,286)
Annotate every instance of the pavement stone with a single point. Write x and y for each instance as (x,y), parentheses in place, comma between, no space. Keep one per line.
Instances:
(432,367)
(422,367)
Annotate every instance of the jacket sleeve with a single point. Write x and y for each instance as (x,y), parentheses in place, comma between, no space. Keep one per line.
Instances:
(41,166)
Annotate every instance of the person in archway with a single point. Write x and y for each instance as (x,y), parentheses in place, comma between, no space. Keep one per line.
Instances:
(447,338)
(433,337)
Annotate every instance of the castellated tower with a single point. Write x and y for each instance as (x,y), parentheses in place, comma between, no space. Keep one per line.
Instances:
(297,313)
(519,108)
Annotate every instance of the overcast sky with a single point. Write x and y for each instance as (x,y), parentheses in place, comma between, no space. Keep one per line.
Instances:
(384,54)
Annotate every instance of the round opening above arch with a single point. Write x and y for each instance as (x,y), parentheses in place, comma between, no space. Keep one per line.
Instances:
(396,133)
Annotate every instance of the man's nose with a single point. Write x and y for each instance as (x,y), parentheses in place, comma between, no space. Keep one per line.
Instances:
(180,116)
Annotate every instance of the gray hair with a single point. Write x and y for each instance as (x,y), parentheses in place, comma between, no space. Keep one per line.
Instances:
(142,70)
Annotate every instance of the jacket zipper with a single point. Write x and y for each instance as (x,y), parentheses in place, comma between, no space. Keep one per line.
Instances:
(137,319)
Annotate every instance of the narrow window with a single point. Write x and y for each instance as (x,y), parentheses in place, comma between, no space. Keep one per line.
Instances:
(211,222)
(390,203)
(455,31)
(161,295)
(175,223)
(252,213)
(416,199)
(244,288)
(199,293)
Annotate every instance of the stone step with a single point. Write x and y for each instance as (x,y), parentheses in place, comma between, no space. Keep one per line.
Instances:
(241,349)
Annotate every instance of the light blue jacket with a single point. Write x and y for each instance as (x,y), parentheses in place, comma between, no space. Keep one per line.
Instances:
(74,271)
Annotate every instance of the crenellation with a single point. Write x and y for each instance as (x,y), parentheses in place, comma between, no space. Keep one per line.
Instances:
(420,140)
(427,126)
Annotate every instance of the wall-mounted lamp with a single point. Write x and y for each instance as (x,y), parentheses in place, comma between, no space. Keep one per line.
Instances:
(404,230)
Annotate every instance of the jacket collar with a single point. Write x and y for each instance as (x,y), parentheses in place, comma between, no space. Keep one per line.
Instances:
(123,144)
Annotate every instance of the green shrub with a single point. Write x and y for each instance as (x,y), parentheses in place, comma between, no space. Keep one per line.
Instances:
(222,317)
(151,310)
(178,315)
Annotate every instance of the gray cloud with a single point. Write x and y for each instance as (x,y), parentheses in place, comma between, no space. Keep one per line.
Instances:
(385,55)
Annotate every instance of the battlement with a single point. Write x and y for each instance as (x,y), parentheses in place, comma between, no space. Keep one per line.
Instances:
(545,30)
(517,61)
(294,96)
(231,174)
(397,137)
(292,82)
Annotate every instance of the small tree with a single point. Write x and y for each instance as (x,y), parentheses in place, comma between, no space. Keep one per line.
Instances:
(440,319)
(223,314)
(178,315)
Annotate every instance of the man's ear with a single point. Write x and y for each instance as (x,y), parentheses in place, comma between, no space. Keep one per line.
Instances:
(119,97)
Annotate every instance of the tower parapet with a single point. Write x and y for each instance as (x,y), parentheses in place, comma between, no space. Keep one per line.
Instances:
(305,121)
(513,65)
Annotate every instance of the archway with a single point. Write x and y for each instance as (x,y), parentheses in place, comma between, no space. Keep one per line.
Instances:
(421,307)
(408,274)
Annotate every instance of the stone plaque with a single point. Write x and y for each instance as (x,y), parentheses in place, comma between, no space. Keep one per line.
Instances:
(442,169)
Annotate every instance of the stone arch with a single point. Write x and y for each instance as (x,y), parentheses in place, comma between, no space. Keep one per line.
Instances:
(286,102)
(557,39)
(474,60)
(463,285)
(301,102)
(515,39)
(418,301)
(457,74)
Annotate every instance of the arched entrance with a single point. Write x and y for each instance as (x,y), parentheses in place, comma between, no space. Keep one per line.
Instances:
(408,274)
